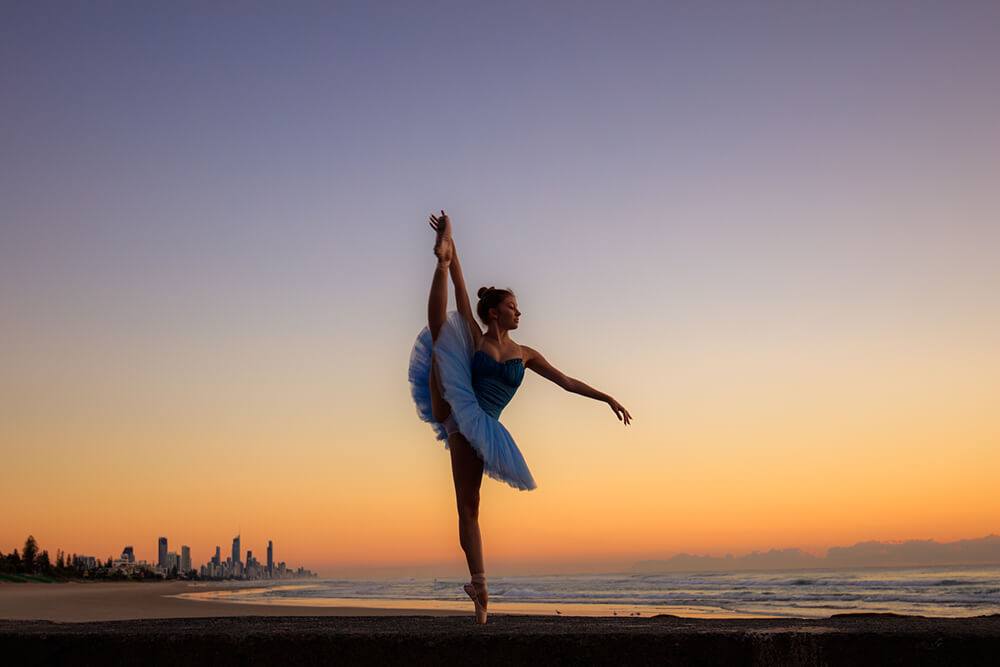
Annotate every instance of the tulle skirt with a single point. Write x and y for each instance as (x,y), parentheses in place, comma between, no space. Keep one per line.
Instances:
(453,351)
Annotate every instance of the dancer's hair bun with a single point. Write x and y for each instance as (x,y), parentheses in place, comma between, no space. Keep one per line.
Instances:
(490,297)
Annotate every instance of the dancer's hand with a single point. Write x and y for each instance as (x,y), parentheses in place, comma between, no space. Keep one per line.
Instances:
(620,411)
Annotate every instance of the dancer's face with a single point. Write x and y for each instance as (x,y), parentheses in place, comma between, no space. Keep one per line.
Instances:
(507,313)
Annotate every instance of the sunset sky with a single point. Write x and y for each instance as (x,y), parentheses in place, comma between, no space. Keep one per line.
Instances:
(770,229)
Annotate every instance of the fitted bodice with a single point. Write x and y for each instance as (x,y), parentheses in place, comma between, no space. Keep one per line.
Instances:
(495,381)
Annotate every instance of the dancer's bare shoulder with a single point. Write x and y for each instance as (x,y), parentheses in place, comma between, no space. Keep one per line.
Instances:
(530,355)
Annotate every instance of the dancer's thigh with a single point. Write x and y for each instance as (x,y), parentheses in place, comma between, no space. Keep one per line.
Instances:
(466,469)
(439,407)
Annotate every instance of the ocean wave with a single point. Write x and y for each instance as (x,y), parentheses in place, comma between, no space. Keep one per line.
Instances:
(955,591)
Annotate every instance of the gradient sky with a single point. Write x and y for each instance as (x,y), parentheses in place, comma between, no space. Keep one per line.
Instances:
(769,229)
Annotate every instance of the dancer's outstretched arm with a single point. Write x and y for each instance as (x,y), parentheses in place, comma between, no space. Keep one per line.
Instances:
(458,280)
(536,362)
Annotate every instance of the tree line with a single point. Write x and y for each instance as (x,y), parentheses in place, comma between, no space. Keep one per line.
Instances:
(32,561)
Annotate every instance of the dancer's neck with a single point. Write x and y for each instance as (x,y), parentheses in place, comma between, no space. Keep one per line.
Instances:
(501,336)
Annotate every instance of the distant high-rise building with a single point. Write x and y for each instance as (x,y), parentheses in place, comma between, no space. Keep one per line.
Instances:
(162,562)
(185,558)
(128,555)
(217,559)
(270,557)
(236,550)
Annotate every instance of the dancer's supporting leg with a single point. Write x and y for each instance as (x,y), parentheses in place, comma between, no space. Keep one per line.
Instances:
(467,472)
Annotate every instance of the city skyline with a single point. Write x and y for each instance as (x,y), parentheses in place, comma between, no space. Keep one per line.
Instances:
(172,564)
(233,566)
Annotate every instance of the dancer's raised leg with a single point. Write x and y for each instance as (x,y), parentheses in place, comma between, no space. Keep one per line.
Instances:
(437,302)
(437,313)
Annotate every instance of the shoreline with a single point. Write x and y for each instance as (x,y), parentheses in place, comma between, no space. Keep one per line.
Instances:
(83,602)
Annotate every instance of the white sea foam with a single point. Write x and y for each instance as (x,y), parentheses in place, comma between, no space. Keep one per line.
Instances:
(959,591)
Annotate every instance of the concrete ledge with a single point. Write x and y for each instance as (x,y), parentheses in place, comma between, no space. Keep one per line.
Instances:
(506,640)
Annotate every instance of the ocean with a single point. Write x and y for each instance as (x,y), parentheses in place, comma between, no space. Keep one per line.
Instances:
(925,591)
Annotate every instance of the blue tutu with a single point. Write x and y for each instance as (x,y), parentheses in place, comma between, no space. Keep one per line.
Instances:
(453,354)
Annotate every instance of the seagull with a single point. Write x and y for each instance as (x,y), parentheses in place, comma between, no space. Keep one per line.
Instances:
(558,612)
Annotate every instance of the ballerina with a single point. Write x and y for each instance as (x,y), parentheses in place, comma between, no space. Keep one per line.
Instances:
(461,378)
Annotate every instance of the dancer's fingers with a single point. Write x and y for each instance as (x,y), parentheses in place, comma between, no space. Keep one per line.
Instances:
(621,413)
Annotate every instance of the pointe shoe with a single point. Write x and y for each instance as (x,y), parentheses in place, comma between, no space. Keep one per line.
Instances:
(476,595)
(442,240)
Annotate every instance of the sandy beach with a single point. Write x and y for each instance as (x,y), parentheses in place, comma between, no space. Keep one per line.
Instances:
(76,602)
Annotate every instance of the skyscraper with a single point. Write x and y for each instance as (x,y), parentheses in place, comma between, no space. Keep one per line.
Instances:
(217,559)
(162,562)
(236,552)
(128,555)
(270,558)
(185,558)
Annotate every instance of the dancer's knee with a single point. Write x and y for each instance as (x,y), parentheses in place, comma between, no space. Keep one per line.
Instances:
(441,410)
(468,509)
